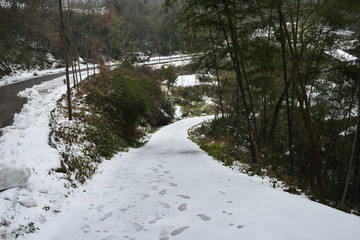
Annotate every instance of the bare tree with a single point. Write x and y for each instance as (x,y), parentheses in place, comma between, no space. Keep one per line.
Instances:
(65,55)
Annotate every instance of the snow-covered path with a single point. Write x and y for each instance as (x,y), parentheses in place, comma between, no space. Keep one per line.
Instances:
(170,189)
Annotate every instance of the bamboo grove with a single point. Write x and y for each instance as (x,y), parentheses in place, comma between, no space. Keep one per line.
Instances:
(283,92)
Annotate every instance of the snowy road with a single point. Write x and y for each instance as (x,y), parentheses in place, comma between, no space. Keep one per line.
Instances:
(10,103)
(170,189)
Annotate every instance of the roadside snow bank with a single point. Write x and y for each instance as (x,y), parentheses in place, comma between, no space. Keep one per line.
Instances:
(34,192)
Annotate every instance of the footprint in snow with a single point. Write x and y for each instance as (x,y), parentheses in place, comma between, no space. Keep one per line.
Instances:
(106,216)
(145,196)
(163,235)
(138,227)
(155,220)
(100,208)
(184,196)
(178,231)
(85,229)
(163,192)
(204,217)
(182,207)
(108,237)
(165,205)
(173,184)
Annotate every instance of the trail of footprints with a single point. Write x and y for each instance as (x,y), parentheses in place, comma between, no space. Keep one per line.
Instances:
(165,233)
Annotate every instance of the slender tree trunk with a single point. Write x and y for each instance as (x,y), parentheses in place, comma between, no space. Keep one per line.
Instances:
(265,121)
(217,79)
(300,91)
(235,59)
(250,96)
(288,110)
(80,77)
(355,153)
(64,46)
(73,72)
(275,117)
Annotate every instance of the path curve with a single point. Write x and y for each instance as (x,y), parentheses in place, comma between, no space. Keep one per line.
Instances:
(170,189)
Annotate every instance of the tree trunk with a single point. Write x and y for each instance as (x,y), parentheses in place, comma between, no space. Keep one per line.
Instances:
(64,47)
(282,39)
(355,153)
(237,68)
(218,79)
(275,116)
(300,91)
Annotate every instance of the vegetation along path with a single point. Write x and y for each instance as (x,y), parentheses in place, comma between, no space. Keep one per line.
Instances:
(170,189)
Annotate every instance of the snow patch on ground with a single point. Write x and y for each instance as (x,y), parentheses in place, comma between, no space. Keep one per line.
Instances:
(178,112)
(13,176)
(170,188)
(26,160)
(189,81)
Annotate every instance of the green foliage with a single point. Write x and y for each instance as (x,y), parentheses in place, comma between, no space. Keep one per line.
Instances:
(46,208)
(220,152)
(107,115)
(170,75)
(22,229)
(219,146)
(290,105)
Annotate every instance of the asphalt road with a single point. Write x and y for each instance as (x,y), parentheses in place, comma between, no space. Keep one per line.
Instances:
(10,103)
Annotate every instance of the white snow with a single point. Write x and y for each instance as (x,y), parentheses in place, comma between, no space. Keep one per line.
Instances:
(165,61)
(20,76)
(342,55)
(187,80)
(168,189)
(24,150)
(13,176)
(28,202)
(171,189)
(178,112)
